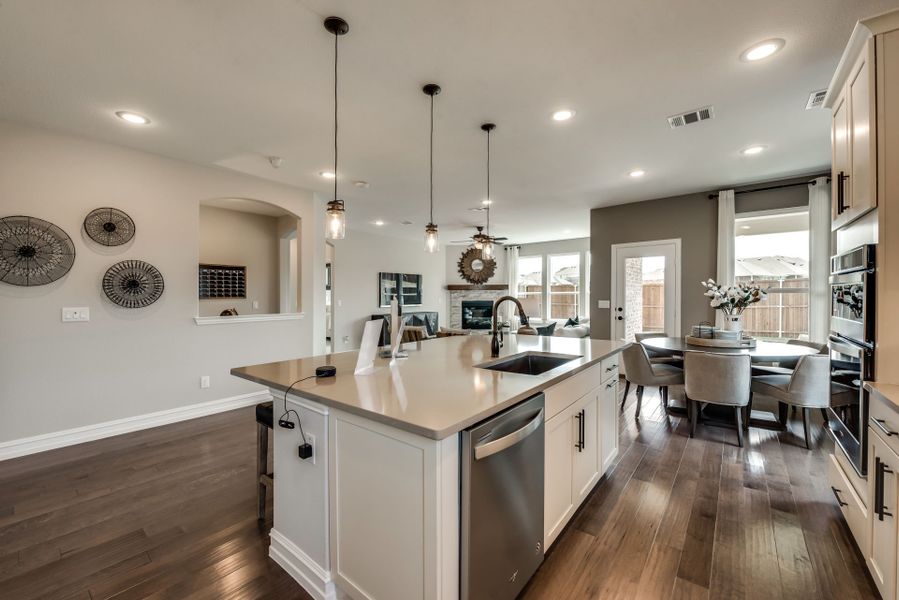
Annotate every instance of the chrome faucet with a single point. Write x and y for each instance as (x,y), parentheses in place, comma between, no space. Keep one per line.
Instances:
(497,340)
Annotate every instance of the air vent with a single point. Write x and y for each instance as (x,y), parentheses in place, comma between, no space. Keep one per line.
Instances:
(815,99)
(690,117)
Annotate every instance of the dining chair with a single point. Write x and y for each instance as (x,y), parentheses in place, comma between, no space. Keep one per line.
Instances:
(807,387)
(785,367)
(655,356)
(722,379)
(640,370)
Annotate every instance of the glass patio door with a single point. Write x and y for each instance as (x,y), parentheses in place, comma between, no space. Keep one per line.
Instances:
(645,295)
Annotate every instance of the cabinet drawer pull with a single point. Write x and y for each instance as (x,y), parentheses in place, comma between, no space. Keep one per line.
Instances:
(612,368)
(580,431)
(881,425)
(836,494)
(610,385)
(880,469)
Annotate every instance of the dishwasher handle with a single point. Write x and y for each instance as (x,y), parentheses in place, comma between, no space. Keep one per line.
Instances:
(507,441)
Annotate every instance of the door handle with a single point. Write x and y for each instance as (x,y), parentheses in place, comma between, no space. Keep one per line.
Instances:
(881,425)
(880,468)
(580,431)
(507,441)
(836,494)
(840,207)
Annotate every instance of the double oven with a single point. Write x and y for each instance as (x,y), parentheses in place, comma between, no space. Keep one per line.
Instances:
(852,350)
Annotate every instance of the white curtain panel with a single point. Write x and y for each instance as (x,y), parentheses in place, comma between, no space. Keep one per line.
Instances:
(512,280)
(726,243)
(819,260)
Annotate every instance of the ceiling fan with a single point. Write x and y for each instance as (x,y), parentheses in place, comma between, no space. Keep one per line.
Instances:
(478,239)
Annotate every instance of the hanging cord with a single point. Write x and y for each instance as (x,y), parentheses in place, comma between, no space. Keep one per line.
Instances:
(335,115)
(432,159)
(489,201)
(287,411)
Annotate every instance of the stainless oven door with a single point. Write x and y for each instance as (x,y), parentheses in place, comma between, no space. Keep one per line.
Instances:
(852,306)
(851,366)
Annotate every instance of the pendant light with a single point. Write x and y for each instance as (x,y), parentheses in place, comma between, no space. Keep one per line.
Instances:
(336,214)
(487,243)
(431,237)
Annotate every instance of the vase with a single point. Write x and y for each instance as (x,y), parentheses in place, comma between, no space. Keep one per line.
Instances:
(733,323)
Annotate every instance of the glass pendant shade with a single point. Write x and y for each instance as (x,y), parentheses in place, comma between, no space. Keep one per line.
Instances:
(432,242)
(335,220)
(487,250)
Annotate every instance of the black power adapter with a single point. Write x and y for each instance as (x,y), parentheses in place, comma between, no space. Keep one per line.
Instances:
(305,451)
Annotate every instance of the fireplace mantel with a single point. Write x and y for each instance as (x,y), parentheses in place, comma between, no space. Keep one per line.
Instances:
(465,287)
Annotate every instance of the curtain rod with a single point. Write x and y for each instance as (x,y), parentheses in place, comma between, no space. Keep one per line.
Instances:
(772,187)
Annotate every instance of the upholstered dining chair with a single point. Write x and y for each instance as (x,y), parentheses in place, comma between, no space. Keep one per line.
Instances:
(656,357)
(722,379)
(807,387)
(785,367)
(642,372)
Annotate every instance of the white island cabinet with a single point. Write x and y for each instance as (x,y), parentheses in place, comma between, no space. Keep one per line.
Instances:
(374,514)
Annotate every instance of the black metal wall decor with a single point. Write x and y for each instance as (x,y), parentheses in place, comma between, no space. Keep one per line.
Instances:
(133,284)
(109,226)
(33,251)
(475,268)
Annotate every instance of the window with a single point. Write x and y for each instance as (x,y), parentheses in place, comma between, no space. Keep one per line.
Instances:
(530,284)
(564,285)
(772,249)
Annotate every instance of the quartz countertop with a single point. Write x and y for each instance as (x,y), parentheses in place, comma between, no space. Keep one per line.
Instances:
(437,391)
(888,391)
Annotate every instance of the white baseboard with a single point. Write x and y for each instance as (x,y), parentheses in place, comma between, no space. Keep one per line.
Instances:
(89,433)
(305,571)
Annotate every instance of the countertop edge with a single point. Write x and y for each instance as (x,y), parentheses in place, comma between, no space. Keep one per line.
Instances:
(423,431)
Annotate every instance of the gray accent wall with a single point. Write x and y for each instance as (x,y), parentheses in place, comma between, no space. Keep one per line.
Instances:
(691,217)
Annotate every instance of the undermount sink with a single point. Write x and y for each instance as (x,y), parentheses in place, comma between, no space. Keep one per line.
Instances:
(529,363)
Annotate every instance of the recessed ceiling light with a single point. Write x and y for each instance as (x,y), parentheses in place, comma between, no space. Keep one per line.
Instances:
(379,222)
(327,174)
(360,184)
(752,150)
(637,173)
(563,115)
(762,50)
(745,227)
(133,118)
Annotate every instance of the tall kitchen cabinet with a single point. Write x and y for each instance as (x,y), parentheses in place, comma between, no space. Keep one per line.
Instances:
(581,441)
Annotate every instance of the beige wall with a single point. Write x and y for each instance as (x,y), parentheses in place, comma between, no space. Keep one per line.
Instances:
(125,363)
(232,237)
(357,261)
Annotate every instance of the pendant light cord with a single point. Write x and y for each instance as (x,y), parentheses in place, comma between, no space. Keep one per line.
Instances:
(335,116)
(432,159)
(489,201)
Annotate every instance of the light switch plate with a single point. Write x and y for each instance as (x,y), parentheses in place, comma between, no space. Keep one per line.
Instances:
(204,382)
(603,304)
(76,314)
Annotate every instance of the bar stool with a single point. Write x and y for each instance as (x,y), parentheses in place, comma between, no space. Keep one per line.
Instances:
(264,421)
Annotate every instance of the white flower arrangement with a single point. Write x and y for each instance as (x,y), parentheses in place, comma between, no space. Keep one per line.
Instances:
(735,299)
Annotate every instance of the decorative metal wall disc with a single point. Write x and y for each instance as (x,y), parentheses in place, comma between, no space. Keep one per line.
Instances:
(109,226)
(133,284)
(475,268)
(33,251)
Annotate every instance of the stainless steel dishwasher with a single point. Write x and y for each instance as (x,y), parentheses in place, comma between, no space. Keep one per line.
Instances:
(502,502)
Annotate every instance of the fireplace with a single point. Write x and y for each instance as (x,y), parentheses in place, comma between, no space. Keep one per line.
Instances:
(477,314)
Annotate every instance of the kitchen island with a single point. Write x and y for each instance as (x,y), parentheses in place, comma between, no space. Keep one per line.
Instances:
(375,512)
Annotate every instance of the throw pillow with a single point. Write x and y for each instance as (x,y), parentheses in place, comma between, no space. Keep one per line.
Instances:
(572,322)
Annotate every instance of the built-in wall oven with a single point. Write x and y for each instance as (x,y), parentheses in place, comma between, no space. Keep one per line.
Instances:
(852,350)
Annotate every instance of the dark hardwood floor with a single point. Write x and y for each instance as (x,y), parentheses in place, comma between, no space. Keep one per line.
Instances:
(170,513)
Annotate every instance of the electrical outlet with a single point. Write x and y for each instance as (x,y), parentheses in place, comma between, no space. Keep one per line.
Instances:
(255,304)
(310,439)
(204,382)
(346,339)
(76,314)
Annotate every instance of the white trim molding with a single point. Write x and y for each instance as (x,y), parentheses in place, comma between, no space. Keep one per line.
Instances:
(249,318)
(305,571)
(89,433)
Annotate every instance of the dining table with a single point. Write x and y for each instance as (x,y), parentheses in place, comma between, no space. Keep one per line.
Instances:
(762,352)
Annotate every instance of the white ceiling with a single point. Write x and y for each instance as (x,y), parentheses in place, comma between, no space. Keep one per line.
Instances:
(229,82)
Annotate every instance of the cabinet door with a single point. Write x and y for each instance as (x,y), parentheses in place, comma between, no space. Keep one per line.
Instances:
(882,558)
(558,501)
(608,424)
(862,183)
(585,468)
(839,139)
